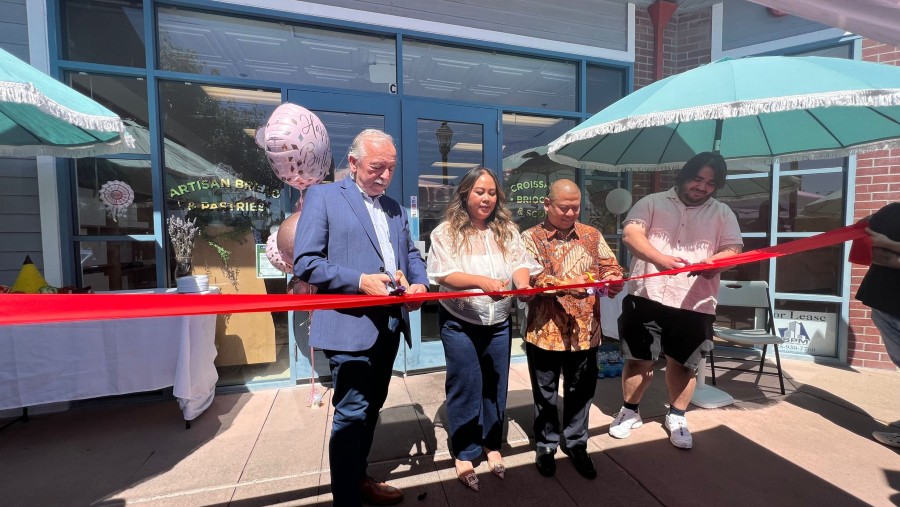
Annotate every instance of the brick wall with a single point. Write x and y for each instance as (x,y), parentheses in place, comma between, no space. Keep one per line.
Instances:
(686,44)
(693,38)
(643,49)
(877,184)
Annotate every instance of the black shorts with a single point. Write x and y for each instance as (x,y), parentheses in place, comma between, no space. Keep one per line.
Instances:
(647,328)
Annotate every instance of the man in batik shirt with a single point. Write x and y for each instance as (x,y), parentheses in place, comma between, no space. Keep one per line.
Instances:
(563,330)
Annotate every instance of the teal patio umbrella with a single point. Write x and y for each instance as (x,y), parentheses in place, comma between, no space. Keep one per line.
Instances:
(755,110)
(41,116)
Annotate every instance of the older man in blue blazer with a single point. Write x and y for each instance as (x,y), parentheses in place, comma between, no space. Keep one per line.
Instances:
(349,238)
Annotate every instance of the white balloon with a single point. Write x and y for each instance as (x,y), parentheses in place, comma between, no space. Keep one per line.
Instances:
(618,201)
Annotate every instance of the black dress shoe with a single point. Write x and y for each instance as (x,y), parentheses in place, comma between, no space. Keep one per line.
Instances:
(546,465)
(582,461)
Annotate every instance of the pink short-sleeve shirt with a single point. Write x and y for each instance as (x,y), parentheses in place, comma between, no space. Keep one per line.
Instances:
(692,233)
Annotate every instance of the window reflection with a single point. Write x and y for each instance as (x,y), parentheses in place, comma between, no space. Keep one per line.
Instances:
(452,73)
(440,170)
(753,270)
(231,46)
(214,169)
(528,171)
(125,96)
(117,265)
(749,199)
(104,31)
(604,86)
(816,271)
(102,212)
(596,213)
(814,202)
(215,172)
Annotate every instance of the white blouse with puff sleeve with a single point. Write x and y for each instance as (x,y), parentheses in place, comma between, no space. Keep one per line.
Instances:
(484,258)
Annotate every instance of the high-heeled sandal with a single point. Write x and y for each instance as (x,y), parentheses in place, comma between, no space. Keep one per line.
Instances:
(469,479)
(497,468)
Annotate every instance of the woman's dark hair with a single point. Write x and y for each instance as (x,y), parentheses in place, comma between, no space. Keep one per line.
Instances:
(706,159)
(500,221)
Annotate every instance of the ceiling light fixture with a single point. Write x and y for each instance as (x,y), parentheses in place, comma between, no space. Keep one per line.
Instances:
(530,121)
(467,147)
(462,165)
(242,96)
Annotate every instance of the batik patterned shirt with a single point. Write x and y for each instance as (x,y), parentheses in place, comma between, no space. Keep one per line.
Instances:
(566,320)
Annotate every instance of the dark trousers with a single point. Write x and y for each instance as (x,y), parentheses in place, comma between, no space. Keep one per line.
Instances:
(361,382)
(579,370)
(477,380)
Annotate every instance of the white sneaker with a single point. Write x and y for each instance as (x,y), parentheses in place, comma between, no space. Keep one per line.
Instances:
(623,423)
(678,431)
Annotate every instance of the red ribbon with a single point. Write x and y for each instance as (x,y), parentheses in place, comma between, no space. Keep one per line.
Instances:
(44,308)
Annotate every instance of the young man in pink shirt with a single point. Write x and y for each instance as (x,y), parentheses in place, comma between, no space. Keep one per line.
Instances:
(673,315)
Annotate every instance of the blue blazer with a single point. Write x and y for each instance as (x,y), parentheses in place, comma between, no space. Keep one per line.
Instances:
(335,244)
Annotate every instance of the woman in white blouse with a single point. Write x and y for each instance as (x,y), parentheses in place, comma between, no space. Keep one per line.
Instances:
(477,248)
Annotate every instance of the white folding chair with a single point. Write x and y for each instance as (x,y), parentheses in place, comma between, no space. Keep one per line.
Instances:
(749,295)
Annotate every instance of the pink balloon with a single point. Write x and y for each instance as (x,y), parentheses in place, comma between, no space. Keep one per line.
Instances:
(285,242)
(275,257)
(297,146)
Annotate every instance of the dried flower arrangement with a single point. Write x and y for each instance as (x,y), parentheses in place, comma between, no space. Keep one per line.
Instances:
(182,234)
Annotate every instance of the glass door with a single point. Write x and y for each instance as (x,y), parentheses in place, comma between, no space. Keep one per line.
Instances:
(440,144)
(344,116)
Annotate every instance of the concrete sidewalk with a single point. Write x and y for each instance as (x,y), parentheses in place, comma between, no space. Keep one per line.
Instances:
(811,446)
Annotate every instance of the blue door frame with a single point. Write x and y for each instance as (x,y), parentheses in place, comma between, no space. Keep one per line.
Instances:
(402,126)
(430,355)
(387,107)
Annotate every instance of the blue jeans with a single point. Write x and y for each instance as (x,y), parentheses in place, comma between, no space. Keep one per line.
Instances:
(361,382)
(889,326)
(477,380)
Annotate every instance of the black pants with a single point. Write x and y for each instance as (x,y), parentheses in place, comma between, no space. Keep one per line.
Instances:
(579,370)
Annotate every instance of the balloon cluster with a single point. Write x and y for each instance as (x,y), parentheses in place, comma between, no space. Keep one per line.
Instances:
(299,152)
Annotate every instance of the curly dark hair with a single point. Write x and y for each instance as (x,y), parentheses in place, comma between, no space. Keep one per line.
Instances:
(500,221)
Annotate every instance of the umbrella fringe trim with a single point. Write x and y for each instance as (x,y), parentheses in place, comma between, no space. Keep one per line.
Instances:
(724,111)
(109,148)
(793,157)
(26,93)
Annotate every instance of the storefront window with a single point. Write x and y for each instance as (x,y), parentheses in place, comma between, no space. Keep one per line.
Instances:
(595,212)
(753,270)
(115,197)
(472,75)
(216,174)
(528,171)
(813,202)
(749,199)
(812,272)
(125,96)
(242,47)
(104,31)
(116,265)
(604,86)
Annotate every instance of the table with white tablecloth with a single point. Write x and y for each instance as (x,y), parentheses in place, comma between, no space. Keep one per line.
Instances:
(47,363)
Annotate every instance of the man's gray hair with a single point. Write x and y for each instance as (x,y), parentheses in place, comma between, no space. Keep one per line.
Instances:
(357,147)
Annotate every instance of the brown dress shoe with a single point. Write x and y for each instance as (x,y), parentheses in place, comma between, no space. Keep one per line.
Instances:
(379,493)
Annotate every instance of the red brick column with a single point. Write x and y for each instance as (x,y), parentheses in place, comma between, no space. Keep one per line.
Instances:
(877,184)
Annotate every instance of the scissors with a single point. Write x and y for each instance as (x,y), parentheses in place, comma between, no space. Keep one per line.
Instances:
(599,291)
(395,288)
